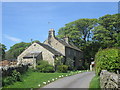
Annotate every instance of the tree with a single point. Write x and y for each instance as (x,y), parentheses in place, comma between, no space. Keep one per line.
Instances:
(106,33)
(36,41)
(2,51)
(80,33)
(16,50)
(90,35)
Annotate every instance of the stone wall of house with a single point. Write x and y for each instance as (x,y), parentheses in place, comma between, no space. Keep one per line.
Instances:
(56,45)
(46,55)
(68,52)
(74,55)
(109,80)
(28,61)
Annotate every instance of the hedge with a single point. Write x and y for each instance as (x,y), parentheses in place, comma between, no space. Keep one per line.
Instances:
(44,66)
(62,68)
(107,59)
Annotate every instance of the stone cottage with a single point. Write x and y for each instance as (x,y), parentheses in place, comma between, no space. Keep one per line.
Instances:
(50,49)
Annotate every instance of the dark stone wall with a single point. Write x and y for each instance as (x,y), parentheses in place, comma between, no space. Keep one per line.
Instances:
(7,71)
(75,55)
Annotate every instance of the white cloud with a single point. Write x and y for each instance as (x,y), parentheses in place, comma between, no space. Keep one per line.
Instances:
(14,39)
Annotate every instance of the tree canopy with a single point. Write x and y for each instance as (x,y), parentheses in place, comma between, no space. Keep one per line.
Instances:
(79,31)
(2,51)
(17,49)
(92,34)
(106,33)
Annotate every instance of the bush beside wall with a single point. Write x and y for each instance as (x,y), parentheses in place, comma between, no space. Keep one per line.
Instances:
(44,66)
(15,76)
(62,68)
(107,60)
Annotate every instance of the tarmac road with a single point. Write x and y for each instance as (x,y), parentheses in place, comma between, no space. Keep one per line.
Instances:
(80,80)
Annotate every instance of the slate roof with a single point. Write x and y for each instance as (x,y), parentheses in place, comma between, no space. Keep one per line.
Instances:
(30,55)
(70,45)
(51,49)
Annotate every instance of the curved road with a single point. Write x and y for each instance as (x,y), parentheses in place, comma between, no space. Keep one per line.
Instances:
(80,80)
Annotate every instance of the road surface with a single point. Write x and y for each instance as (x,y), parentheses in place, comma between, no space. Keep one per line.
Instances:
(80,80)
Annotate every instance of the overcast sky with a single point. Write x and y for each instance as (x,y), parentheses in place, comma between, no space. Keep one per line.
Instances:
(23,21)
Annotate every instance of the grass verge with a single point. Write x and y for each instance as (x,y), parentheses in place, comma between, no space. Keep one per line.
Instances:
(95,83)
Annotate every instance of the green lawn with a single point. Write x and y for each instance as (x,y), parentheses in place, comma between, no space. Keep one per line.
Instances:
(95,83)
(33,79)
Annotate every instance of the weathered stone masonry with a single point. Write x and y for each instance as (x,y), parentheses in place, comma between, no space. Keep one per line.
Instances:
(51,48)
(69,50)
(109,80)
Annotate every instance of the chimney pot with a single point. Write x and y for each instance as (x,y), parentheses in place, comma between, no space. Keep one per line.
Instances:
(66,39)
(51,33)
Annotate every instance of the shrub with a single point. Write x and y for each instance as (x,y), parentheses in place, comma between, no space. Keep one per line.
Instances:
(16,76)
(44,66)
(49,69)
(107,59)
(7,81)
(70,63)
(62,68)
(59,60)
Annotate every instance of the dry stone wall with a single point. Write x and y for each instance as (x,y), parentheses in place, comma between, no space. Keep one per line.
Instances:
(109,80)
(7,71)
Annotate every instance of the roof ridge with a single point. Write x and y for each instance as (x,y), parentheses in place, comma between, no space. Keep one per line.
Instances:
(66,44)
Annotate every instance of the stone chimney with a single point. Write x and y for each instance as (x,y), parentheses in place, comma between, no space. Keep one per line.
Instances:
(66,39)
(51,35)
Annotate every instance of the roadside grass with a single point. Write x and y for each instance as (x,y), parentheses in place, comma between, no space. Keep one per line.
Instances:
(37,80)
(33,79)
(95,83)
